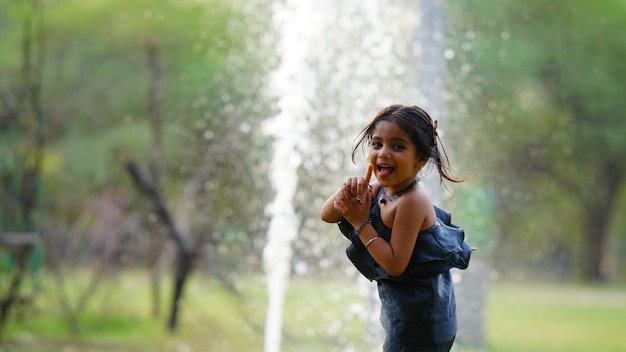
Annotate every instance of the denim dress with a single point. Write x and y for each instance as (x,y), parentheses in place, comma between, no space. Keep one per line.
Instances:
(418,307)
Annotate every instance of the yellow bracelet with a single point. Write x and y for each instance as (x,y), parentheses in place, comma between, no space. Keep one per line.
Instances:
(371,240)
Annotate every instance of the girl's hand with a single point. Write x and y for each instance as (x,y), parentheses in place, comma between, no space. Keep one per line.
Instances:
(358,185)
(354,199)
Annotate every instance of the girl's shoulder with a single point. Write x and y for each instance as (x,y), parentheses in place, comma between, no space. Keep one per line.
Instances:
(420,206)
(419,198)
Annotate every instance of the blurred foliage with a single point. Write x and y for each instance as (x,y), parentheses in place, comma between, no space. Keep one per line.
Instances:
(539,88)
(215,57)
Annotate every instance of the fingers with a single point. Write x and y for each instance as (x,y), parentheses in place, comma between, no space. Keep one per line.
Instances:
(351,207)
(365,195)
(368,175)
(352,186)
(344,201)
(357,186)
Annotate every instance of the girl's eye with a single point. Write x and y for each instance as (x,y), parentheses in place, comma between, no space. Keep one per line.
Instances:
(398,147)
(376,144)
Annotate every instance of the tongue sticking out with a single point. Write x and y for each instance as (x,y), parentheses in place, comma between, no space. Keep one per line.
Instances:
(385,171)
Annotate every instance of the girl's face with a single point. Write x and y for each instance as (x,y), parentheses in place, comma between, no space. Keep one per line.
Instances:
(393,156)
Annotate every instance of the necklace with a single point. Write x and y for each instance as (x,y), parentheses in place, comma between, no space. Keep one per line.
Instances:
(384,199)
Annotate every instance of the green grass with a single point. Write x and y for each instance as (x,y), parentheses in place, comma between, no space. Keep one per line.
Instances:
(551,317)
(320,315)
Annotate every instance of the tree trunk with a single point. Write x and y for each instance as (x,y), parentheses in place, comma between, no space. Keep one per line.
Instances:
(31,121)
(184,254)
(183,269)
(156,159)
(32,112)
(20,257)
(599,214)
(595,237)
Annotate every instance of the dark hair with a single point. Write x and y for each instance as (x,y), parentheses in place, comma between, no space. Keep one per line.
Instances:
(423,132)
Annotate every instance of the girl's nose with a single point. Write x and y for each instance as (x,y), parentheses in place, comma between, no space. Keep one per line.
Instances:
(383,153)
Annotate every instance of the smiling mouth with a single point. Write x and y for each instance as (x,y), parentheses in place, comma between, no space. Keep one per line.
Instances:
(384,171)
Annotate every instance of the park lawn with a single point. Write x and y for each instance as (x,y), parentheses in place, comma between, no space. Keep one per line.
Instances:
(320,315)
(556,317)
(212,318)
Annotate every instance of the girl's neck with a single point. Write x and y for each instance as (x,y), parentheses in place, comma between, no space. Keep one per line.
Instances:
(388,196)
(389,190)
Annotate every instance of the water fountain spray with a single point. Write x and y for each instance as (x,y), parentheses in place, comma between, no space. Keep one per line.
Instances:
(294,84)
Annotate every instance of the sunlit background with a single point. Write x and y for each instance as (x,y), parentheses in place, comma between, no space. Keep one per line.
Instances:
(163,163)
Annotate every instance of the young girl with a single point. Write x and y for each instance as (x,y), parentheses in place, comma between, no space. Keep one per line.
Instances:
(398,237)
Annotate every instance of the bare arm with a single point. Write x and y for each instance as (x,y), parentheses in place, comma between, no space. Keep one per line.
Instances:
(411,215)
(413,212)
(328,212)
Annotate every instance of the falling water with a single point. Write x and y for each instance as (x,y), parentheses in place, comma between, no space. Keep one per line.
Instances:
(294,83)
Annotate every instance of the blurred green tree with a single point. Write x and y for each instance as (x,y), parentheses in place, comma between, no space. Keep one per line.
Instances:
(540,85)
(95,92)
(23,132)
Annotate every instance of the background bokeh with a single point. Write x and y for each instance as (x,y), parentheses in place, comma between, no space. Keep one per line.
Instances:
(138,140)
